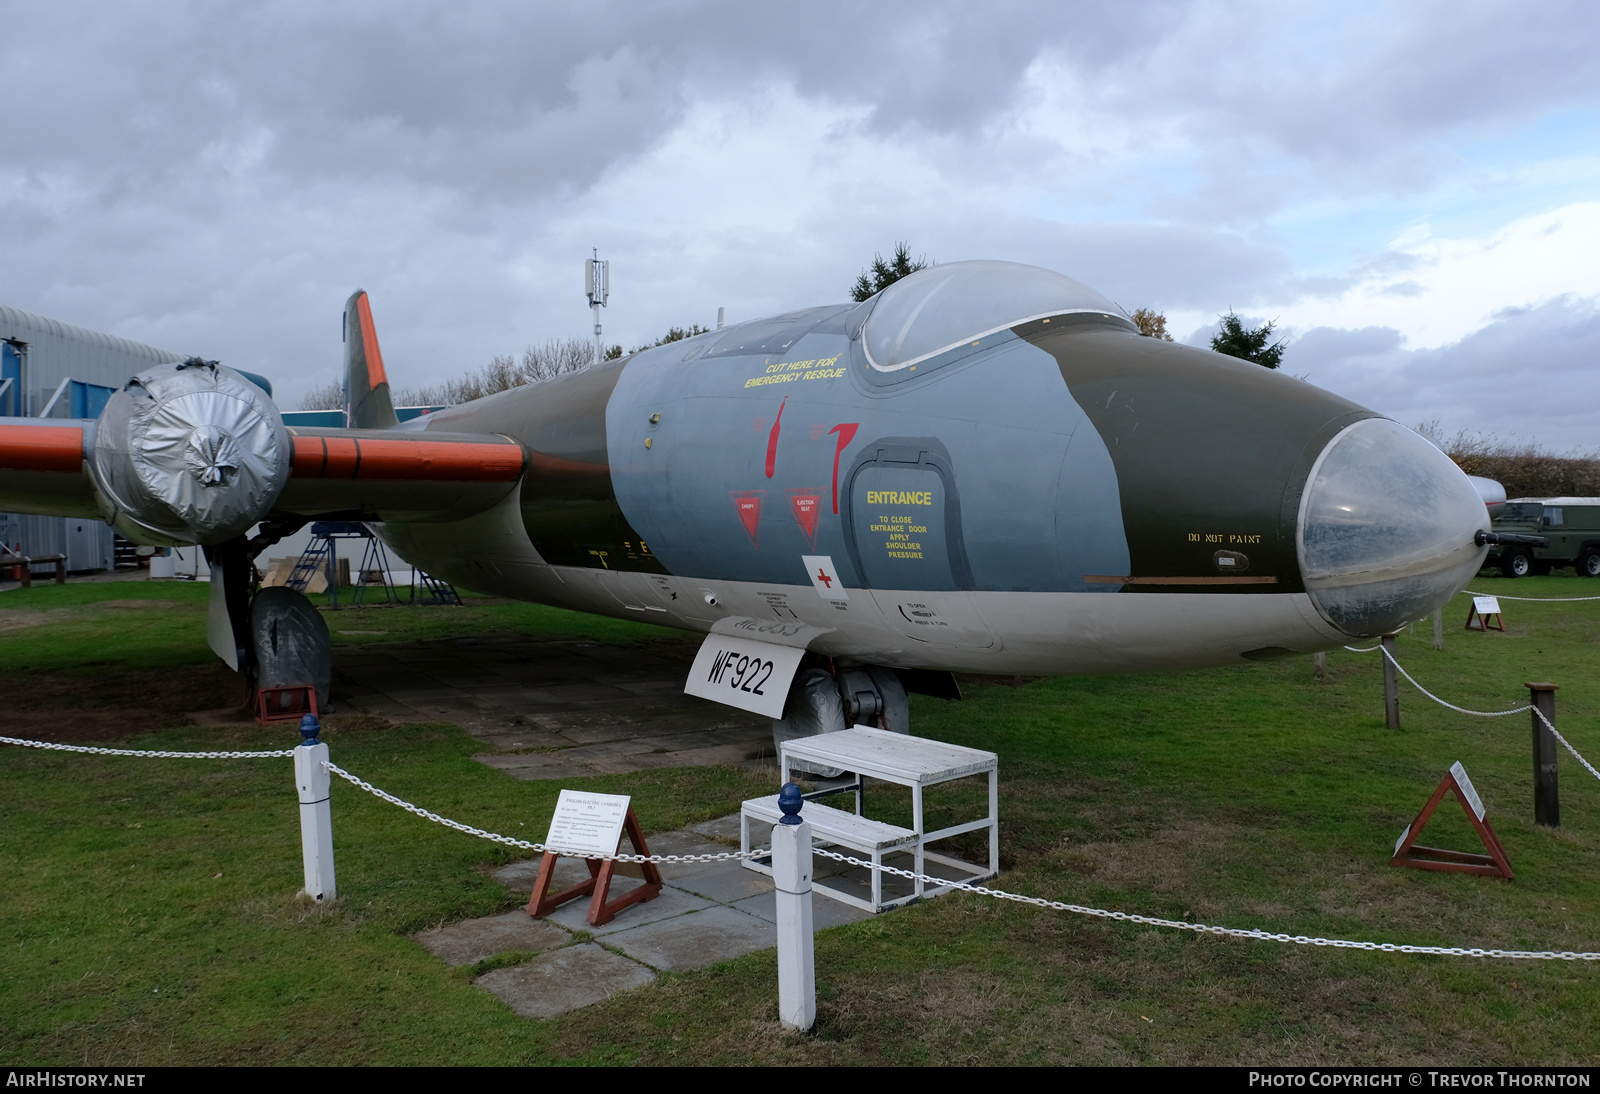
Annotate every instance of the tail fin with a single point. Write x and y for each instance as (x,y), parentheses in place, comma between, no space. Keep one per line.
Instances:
(367,404)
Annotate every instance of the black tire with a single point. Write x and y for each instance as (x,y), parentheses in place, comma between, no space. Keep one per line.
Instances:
(1516,563)
(1588,564)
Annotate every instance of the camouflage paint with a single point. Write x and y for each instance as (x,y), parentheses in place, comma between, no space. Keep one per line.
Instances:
(1211,454)
(734,456)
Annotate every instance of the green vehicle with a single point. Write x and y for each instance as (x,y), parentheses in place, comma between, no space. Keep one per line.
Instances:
(1570,528)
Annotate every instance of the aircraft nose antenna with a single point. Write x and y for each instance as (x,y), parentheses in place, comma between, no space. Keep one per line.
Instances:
(1388,528)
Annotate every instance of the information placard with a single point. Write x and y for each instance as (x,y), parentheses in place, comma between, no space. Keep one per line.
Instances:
(1486,605)
(1468,791)
(587,824)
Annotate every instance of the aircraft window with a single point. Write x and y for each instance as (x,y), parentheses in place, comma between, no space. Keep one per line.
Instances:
(939,308)
(770,337)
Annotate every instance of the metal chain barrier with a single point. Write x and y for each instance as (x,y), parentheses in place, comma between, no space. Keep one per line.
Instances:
(158,755)
(1535,599)
(1203,928)
(528,845)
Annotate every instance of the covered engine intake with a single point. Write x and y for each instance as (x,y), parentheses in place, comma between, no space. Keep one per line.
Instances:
(189,453)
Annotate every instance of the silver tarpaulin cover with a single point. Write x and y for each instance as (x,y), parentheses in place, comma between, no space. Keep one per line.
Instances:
(190,453)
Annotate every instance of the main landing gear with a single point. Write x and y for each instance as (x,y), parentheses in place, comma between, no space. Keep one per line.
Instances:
(828,696)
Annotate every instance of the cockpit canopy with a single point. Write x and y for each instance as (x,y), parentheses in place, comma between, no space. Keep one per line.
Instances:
(939,308)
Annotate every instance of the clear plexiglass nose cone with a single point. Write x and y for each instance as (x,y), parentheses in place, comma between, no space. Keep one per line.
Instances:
(1386,528)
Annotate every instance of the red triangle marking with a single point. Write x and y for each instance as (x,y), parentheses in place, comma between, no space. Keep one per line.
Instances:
(807,506)
(748,503)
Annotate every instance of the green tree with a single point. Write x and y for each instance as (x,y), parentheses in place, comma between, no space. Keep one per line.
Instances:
(1249,345)
(880,275)
(1151,324)
(674,334)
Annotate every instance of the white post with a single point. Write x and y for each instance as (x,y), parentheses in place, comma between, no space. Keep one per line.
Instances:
(316,821)
(791,873)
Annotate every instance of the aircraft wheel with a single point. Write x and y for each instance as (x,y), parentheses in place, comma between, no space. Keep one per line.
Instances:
(874,696)
(896,715)
(1588,564)
(291,643)
(1517,563)
(813,706)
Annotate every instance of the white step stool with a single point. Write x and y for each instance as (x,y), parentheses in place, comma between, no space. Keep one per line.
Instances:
(829,825)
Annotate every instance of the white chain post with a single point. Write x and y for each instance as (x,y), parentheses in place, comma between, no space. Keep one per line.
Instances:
(316,819)
(791,876)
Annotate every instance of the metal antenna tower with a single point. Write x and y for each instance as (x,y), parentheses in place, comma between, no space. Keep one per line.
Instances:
(597,284)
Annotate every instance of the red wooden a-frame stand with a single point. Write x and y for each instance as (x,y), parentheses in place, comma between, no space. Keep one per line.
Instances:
(1408,853)
(601,871)
(1488,621)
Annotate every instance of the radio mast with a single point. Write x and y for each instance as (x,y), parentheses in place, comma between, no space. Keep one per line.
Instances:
(597,284)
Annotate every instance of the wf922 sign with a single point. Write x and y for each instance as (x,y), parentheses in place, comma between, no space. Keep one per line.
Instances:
(738,672)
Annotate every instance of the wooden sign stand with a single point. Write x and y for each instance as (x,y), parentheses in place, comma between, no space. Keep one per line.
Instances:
(1408,853)
(1480,620)
(601,871)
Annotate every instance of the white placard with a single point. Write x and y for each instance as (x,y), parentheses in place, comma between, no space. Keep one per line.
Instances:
(1467,789)
(587,824)
(1401,840)
(743,673)
(824,576)
(1486,605)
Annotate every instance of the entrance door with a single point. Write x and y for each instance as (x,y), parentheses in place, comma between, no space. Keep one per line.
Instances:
(905,539)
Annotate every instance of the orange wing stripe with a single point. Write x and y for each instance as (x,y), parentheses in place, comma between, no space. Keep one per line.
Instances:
(412,461)
(41,448)
(369,342)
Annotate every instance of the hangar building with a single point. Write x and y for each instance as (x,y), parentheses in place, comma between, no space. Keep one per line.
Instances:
(50,369)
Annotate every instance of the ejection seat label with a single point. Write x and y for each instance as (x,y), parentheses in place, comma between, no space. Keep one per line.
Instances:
(752,676)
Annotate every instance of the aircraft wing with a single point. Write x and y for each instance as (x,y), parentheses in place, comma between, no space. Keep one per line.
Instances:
(396,475)
(55,467)
(43,467)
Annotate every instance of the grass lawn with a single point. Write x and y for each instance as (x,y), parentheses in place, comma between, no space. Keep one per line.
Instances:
(150,916)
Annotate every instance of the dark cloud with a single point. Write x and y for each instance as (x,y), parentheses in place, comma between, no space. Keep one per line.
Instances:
(217,178)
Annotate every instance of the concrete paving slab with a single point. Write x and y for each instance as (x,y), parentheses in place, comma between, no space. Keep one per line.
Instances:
(670,902)
(825,912)
(682,843)
(695,940)
(520,877)
(725,882)
(516,692)
(473,940)
(565,980)
(725,829)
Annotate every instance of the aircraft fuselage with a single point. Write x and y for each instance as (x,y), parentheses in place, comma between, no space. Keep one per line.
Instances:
(1061,495)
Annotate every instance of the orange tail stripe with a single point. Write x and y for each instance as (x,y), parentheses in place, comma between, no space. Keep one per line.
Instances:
(369,342)
(405,461)
(41,448)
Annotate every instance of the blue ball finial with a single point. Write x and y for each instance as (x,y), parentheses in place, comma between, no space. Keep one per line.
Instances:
(790,801)
(309,729)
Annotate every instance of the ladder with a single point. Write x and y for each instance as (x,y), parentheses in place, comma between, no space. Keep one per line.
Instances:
(434,590)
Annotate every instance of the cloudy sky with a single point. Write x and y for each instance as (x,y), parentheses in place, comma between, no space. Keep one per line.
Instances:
(1412,190)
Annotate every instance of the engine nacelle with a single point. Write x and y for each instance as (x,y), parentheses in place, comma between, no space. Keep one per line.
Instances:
(189,453)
